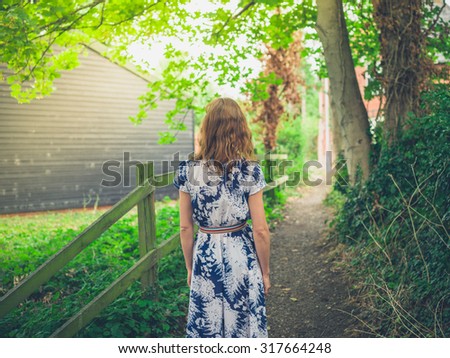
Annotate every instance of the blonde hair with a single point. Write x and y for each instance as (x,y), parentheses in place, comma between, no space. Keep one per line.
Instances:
(224,134)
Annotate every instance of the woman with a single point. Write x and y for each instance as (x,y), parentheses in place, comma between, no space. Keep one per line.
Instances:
(228,262)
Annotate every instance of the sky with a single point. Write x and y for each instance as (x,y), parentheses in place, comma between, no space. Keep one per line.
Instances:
(154,56)
(151,55)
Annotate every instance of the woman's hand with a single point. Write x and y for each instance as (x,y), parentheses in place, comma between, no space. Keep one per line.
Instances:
(266,282)
(189,275)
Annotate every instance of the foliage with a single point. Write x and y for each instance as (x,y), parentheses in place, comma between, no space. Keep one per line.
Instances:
(139,314)
(40,39)
(273,207)
(50,34)
(437,31)
(341,183)
(395,227)
(297,136)
(364,33)
(365,43)
(276,92)
(335,199)
(404,61)
(32,32)
(27,242)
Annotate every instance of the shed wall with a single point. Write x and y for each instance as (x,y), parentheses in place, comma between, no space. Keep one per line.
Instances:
(53,149)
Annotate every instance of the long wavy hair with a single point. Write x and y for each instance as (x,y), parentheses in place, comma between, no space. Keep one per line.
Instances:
(225,136)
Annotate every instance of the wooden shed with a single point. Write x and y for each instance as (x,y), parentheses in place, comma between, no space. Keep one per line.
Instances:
(53,151)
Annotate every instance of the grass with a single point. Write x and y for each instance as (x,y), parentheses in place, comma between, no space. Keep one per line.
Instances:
(27,241)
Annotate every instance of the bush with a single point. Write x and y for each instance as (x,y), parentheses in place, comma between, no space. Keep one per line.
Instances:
(396,226)
(273,206)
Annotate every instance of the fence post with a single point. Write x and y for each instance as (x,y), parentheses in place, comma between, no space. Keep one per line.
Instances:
(146,223)
(281,165)
(270,174)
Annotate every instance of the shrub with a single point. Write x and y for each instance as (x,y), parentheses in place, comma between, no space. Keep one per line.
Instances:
(396,226)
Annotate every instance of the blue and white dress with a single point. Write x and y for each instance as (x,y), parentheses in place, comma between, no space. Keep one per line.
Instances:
(227,291)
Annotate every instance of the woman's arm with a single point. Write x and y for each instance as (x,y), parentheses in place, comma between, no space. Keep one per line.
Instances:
(186,231)
(261,235)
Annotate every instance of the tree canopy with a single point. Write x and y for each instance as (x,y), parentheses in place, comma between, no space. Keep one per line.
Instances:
(42,38)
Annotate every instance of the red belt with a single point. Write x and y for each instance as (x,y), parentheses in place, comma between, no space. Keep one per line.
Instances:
(222,229)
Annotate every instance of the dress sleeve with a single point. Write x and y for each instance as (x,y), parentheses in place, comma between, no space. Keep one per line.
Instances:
(180,181)
(258,181)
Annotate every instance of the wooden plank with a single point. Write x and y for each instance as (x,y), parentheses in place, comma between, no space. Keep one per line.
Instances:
(59,193)
(44,139)
(91,310)
(107,196)
(41,164)
(86,101)
(27,120)
(42,274)
(85,126)
(269,173)
(146,223)
(272,156)
(64,183)
(108,153)
(162,180)
(276,156)
(276,183)
(82,111)
(150,215)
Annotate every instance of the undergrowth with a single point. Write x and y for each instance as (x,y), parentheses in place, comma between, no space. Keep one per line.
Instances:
(395,230)
(28,241)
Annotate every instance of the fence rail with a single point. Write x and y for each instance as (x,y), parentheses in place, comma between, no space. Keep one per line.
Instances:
(145,269)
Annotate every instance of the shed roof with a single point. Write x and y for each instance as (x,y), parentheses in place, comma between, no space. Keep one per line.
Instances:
(102,50)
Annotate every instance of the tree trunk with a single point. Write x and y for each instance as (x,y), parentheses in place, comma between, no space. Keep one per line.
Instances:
(336,132)
(403,60)
(284,63)
(349,107)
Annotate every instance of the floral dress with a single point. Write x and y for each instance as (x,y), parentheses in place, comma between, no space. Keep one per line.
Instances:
(227,291)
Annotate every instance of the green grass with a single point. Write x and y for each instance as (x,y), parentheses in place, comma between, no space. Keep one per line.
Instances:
(28,241)
(335,200)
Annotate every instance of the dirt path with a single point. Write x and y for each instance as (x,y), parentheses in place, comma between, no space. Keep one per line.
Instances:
(308,291)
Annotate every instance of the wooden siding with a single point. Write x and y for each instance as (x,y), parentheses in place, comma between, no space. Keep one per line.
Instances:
(52,150)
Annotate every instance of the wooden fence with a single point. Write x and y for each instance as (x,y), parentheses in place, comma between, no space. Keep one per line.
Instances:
(145,269)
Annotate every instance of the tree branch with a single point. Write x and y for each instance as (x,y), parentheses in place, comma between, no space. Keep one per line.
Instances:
(54,26)
(233,17)
(438,16)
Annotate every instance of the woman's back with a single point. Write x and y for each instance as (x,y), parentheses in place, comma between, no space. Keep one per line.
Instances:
(220,200)
(227,293)
(227,266)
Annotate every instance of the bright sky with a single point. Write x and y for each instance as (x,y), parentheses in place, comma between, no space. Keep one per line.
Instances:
(151,55)
(154,56)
